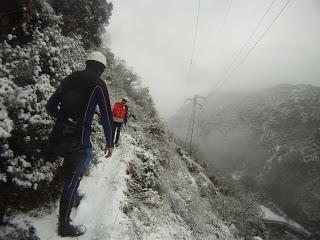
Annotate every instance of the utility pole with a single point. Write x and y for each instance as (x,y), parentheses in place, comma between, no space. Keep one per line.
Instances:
(195,104)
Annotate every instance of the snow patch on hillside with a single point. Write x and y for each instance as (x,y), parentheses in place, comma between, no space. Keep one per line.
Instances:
(269,215)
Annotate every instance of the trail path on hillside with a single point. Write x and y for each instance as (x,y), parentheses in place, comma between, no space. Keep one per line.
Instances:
(100,209)
(270,217)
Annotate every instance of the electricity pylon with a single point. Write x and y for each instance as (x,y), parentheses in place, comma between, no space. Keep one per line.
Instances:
(191,127)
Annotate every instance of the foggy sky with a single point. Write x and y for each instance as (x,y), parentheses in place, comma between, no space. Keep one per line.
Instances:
(155,38)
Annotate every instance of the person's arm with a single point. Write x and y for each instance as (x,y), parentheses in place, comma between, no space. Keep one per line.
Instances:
(53,103)
(106,116)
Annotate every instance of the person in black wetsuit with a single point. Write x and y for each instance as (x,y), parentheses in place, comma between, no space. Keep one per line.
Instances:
(73,104)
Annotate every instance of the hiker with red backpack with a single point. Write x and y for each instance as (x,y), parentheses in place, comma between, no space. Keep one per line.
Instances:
(120,117)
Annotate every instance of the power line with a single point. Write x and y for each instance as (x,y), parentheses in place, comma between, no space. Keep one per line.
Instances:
(194,39)
(222,27)
(193,44)
(195,34)
(250,37)
(245,44)
(227,77)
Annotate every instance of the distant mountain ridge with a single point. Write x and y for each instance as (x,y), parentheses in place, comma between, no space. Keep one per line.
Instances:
(271,137)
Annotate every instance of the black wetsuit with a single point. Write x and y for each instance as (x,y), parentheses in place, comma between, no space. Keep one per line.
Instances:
(77,96)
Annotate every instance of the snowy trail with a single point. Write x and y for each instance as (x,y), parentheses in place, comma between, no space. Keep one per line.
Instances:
(100,209)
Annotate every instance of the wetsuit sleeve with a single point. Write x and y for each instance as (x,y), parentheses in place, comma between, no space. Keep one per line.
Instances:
(103,100)
(53,103)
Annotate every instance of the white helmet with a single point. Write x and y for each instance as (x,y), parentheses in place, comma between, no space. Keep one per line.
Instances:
(257,238)
(97,56)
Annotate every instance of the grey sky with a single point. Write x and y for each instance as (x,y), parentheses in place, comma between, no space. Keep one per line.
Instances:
(155,38)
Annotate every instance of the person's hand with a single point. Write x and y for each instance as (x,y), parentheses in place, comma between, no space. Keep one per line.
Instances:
(108,152)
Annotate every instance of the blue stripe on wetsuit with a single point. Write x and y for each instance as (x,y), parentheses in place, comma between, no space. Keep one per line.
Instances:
(97,97)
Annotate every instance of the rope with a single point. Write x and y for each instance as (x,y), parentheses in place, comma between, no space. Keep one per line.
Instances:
(114,223)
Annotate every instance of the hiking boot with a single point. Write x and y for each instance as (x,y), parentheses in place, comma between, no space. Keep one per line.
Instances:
(70,230)
(77,199)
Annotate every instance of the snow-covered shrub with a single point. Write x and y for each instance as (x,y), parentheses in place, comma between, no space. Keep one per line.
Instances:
(145,170)
(142,181)
(29,74)
(238,207)
(151,167)
(242,212)
(157,129)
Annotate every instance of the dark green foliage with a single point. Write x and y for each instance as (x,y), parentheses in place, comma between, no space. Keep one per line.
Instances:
(86,18)
(22,17)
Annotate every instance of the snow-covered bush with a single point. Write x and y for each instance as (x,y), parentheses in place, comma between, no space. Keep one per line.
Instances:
(29,73)
(150,166)
(144,174)
(239,208)
(157,129)
(124,82)
(145,170)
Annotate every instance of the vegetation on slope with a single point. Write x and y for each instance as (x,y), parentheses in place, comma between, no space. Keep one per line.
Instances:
(35,56)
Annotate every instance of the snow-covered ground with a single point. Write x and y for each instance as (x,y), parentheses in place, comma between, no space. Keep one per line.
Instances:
(178,213)
(270,216)
(100,210)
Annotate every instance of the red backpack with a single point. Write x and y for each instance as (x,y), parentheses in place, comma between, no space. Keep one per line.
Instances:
(119,110)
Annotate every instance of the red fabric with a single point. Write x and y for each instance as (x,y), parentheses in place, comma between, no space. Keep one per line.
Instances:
(119,110)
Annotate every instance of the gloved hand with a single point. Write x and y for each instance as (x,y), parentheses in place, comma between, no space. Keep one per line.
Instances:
(108,152)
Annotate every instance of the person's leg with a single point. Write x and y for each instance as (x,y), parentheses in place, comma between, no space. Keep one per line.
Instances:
(114,128)
(119,125)
(78,197)
(70,188)
(75,165)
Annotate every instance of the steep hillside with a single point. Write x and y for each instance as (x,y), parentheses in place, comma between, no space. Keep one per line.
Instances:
(149,189)
(269,139)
